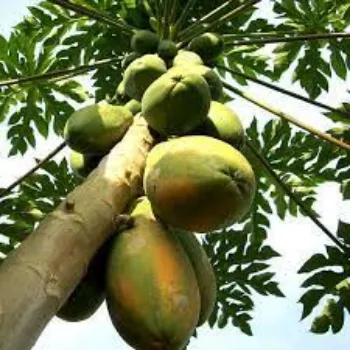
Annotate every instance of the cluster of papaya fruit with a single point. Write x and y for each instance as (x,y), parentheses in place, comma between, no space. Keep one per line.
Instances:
(158,282)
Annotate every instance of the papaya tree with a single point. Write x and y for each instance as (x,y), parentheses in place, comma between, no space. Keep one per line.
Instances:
(54,221)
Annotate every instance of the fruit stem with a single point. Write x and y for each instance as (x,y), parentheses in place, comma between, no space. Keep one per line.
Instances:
(82,10)
(284,91)
(33,170)
(294,196)
(186,10)
(216,23)
(288,117)
(61,73)
(229,40)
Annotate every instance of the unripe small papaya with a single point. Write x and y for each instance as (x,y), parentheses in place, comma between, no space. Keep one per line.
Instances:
(208,46)
(224,124)
(144,42)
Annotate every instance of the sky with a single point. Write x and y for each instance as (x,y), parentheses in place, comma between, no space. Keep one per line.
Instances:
(276,323)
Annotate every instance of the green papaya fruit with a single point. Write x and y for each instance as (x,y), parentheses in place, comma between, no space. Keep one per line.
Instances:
(204,272)
(167,49)
(224,124)
(212,79)
(95,129)
(208,46)
(176,103)
(90,292)
(144,42)
(141,73)
(185,57)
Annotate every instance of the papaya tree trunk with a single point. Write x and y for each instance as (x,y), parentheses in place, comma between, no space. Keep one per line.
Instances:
(38,277)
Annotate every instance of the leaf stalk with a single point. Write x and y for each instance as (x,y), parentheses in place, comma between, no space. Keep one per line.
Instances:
(202,28)
(231,41)
(284,91)
(33,170)
(125,28)
(58,73)
(294,197)
(288,118)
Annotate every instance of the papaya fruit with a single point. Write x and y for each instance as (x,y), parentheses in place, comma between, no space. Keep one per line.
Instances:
(208,46)
(198,183)
(141,73)
(176,103)
(167,49)
(224,124)
(95,129)
(133,106)
(204,272)
(151,289)
(90,291)
(83,164)
(185,57)
(212,79)
(144,42)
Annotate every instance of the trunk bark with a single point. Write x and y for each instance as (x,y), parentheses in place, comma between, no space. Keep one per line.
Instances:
(38,277)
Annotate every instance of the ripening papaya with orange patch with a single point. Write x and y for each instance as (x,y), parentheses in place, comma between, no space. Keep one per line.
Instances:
(198,183)
(151,290)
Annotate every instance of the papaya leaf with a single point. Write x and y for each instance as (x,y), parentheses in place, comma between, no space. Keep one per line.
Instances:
(326,279)
(344,231)
(320,325)
(332,318)
(240,262)
(338,64)
(312,69)
(339,117)
(33,199)
(310,300)
(335,312)
(242,322)
(30,107)
(311,164)
(325,282)
(315,262)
